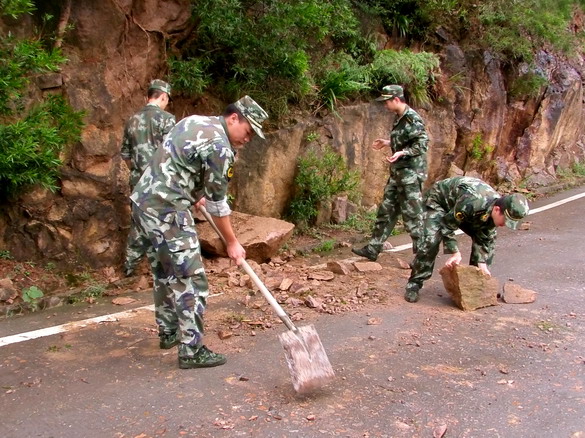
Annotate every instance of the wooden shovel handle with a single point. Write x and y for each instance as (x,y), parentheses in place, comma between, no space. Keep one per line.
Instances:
(271,300)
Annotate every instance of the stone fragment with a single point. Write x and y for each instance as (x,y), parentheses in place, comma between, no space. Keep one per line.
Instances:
(469,288)
(403,264)
(338,267)
(224,334)
(515,294)
(7,290)
(50,80)
(285,284)
(367,266)
(313,303)
(321,275)
(339,210)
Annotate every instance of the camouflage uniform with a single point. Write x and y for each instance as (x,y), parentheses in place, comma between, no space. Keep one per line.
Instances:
(403,191)
(143,134)
(195,160)
(465,203)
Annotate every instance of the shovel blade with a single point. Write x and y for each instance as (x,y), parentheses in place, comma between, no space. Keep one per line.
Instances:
(306,358)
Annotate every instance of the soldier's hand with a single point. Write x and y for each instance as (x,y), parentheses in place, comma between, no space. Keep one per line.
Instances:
(379,143)
(483,267)
(455,259)
(395,157)
(236,252)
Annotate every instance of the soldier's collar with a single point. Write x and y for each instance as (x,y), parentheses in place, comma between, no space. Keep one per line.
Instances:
(224,126)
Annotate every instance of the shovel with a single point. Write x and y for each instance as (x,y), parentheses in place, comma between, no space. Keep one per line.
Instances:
(307,360)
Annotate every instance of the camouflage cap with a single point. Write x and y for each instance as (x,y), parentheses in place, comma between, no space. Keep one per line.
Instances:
(515,207)
(157,84)
(390,92)
(253,113)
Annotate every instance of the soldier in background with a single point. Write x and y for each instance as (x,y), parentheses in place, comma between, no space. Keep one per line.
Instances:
(408,163)
(143,134)
(471,205)
(192,168)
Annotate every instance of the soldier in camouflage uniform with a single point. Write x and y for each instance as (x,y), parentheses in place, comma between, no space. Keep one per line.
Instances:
(143,134)
(471,205)
(192,168)
(408,163)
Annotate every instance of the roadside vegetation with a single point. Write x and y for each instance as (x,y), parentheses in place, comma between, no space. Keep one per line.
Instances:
(317,54)
(33,132)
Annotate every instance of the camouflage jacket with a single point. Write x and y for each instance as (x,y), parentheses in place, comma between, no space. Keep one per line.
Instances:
(468,203)
(143,134)
(409,135)
(195,160)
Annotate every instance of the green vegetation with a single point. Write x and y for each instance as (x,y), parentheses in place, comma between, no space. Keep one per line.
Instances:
(319,53)
(325,246)
(31,136)
(309,53)
(320,176)
(5,255)
(32,295)
(478,149)
(528,85)
(91,292)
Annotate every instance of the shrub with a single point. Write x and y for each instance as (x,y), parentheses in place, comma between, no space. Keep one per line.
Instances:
(32,136)
(319,177)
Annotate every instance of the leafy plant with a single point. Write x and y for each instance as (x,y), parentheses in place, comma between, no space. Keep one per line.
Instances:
(528,85)
(319,177)
(31,136)
(415,71)
(478,150)
(325,246)
(32,295)
(5,255)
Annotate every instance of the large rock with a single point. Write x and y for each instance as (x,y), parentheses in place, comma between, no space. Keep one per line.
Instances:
(261,237)
(469,288)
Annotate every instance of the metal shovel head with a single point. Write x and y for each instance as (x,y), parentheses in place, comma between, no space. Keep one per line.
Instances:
(307,360)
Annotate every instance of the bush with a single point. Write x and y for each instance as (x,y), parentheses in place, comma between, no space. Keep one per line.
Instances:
(30,148)
(319,178)
(31,136)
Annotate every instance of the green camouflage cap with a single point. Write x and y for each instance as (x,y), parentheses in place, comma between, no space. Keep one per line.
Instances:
(515,207)
(390,92)
(253,113)
(157,84)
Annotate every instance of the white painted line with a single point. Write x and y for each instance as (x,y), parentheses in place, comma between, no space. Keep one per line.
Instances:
(556,204)
(532,211)
(70,325)
(129,313)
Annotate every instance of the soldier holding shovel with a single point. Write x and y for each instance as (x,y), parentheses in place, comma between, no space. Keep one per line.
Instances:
(192,167)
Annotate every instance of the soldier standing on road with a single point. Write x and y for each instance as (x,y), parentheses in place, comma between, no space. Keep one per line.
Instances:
(471,205)
(408,163)
(143,134)
(192,167)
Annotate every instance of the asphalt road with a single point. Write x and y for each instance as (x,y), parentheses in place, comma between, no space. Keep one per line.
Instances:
(403,370)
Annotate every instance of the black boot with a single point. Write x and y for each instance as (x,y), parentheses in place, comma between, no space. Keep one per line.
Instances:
(366,252)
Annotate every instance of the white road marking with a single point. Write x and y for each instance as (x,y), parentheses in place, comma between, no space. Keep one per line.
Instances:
(35,334)
(114,317)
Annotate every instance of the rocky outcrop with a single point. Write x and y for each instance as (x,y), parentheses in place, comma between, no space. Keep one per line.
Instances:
(474,125)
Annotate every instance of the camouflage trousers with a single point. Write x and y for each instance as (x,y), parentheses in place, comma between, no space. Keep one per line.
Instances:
(435,232)
(137,246)
(180,284)
(402,196)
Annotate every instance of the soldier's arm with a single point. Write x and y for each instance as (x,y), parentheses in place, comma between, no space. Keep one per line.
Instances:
(418,140)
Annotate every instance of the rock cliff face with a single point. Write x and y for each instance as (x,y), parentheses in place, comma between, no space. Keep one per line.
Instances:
(118,46)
